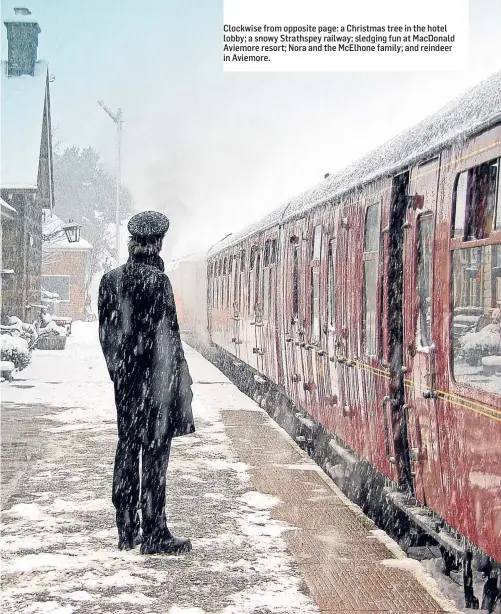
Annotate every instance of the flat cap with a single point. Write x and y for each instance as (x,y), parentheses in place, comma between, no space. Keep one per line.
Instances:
(148,224)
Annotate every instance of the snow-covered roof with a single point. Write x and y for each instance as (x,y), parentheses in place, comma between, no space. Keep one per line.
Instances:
(51,225)
(6,206)
(471,112)
(22,106)
(64,244)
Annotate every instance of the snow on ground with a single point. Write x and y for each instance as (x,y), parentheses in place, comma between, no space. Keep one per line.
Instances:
(58,532)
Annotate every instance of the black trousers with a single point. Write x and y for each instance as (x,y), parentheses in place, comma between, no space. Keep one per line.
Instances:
(139,437)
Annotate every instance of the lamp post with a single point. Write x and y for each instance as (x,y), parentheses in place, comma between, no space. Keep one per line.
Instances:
(71,230)
(117,118)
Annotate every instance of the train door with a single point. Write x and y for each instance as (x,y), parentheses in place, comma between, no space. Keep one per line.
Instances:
(251,308)
(292,313)
(419,348)
(347,320)
(258,321)
(235,307)
(330,328)
(269,328)
(313,355)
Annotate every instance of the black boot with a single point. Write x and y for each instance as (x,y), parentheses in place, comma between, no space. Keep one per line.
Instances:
(129,540)
(164,543)
(129,533)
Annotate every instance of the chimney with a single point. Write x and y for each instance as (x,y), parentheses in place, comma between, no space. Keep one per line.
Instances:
(22,38)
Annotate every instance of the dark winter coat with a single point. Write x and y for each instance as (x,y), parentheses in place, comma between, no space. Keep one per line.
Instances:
(140,338)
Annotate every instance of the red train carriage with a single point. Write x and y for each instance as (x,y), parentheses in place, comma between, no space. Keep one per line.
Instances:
(373,303)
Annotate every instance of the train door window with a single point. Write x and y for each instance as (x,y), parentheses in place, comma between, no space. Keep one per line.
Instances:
(267,252)
(274,251)
(332,285)
(370,278)
(217,281)
(424,277)
(315,284)
(317,243)
(240,280)
(266,278)
(257,289)
(295,282)
(477,211)
(210,286)
(229,284)
(252,280)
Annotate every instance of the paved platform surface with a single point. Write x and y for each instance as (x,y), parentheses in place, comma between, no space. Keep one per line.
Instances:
(271,533)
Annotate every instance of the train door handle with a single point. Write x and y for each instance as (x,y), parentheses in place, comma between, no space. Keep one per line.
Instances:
(430,394)
(390,459)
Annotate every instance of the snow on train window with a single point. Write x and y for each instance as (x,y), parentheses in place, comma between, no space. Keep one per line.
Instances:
(476,328)
(424,278)
(477,208)
(370,278)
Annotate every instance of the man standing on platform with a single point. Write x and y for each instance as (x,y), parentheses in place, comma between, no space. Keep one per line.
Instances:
(139,335)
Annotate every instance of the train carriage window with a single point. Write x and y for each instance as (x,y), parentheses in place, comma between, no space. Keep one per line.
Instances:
(228,281)
(332,285)
(274,251)
(252,280)
(477,210)
(241,282)
(209,285)
(317,243)
(424,277)
(295,282)
(370,278)
(315,284)
(218,283)
(476,279)
(267,252)
(234,282)
(476,329)
(257,288)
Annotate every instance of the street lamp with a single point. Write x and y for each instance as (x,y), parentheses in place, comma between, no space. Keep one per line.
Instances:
(72,231)
(117,118)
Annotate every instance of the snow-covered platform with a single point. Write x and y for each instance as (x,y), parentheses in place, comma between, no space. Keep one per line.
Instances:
(271,533)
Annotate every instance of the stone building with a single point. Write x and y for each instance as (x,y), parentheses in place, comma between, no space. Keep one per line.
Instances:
(26,174)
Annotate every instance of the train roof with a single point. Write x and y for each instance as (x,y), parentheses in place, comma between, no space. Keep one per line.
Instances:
(477,109)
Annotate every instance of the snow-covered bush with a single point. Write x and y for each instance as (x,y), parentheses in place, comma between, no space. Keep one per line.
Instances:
(15,349)
(54,329)
(486,342)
